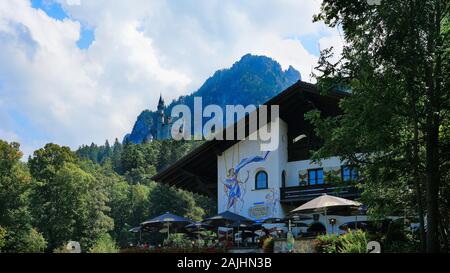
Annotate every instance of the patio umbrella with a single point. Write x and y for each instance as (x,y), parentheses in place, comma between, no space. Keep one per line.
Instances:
(197,227)
(135,229)
(299,217)
(239,226)
(167,220)
(246,227)
(226,219)
(325,203)
(275,220)
(256,226)
(300,224)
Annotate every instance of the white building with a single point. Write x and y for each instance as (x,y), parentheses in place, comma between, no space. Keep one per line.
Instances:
(270,184)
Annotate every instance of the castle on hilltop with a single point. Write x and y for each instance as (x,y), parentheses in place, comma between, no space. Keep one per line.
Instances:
(163,123)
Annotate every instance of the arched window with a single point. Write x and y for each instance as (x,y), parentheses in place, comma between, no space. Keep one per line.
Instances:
(261,180)
(283,179)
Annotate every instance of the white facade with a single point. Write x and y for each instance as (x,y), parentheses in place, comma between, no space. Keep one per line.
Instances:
(240,195)
(250,199)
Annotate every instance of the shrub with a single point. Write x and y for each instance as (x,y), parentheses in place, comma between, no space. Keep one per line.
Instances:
(61,249)
(104,244)
(174,250)
(328,243)
(2,238)
(400,240)
(178,240)
(32,242)
(268,245)
(353,242)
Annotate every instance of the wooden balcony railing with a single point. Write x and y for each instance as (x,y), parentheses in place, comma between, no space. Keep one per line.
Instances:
(306,193)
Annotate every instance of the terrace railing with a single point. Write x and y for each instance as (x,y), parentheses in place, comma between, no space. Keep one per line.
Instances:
(308,192)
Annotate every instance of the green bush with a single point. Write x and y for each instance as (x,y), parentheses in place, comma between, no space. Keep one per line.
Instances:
(175,250)
(61,249)
(178,240)
(352,242)
(104,244)
(35,242)
(400,240)
(2,238)
(268,245)
(328,243)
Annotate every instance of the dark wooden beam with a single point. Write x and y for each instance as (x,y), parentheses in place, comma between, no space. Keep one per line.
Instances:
(201,184)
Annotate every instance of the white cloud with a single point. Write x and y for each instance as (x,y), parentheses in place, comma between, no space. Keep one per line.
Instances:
(142,48)
(73,2)
(336,42)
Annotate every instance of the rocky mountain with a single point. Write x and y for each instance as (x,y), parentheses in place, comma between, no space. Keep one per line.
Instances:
(251,80)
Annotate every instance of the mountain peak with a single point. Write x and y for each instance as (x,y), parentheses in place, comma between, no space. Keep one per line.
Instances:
(293,74)
(251,80)
(250,57)
(250,61)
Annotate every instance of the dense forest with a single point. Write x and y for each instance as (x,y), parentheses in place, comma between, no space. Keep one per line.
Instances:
(93,195)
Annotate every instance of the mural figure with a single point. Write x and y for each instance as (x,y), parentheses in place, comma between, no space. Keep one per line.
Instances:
(272,199)
(234,187)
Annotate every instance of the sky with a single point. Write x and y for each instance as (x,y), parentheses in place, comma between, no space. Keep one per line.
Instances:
(75,72)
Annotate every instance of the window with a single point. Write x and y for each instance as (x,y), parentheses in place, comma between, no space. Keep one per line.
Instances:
(315,177)
(349,174)
(283,179)
(261,180)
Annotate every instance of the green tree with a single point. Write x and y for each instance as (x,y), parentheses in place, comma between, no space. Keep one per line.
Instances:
(32,242)
(396,64)
(170,199)
(116,156)
(104,244)
(120,212)
(15,218)
(47,161)
(68,203)
(132,157)
(172,150)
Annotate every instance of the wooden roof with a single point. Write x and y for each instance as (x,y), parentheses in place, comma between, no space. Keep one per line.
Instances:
(197,171)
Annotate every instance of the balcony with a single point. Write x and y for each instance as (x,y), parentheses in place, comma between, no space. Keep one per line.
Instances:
(302,194)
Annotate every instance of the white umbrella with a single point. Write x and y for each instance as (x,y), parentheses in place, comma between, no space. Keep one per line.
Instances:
(325,203)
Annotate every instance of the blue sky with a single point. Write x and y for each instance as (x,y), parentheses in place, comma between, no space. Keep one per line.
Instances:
(81,71)
(54,10)
(51,8)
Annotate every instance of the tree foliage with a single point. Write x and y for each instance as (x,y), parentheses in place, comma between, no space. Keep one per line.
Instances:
(15,217)
(396,63)
(104,244)
(94,195)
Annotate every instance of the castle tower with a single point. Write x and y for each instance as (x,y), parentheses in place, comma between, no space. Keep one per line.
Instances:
(161,106)
(160,118)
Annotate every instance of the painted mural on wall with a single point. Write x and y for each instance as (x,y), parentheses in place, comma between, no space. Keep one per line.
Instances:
(259,211)
(272,199)
(265,209)
(235,186)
